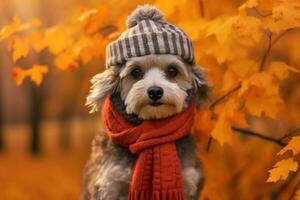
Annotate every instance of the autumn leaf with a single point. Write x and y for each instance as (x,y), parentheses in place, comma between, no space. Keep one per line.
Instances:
(19,48)
(293,145)
(35,73)
(285,16)
(95,19)
(261,95)
(18,74)
(67,60)
(281,69)
(222,131)
(17,26)
(281,169)
(247,5)
(58,38)
(36,40)
(203,122)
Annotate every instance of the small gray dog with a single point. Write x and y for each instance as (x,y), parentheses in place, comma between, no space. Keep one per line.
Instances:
(150,74)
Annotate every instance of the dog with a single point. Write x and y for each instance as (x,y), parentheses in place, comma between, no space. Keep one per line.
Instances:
(145,87)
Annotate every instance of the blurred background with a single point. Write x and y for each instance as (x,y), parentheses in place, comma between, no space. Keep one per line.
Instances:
(46,131)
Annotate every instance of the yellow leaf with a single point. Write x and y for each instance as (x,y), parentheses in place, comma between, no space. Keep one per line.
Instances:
(66,60)
(281,69)
(35,39)
(93,20)
(293,145)
(261,94)
(19,47)
(281,170)
(16,26)
(248,4)
(222,131)
(285,16)
(169,7)
(36,73)
(203,122)
(18,74)
(58,38)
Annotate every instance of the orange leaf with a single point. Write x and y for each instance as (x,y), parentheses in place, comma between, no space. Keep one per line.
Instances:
(203,122)
(36,73)
(58,38)
(19,47)
(222,131)
(66,60)
(35,39)
(293,145)
(281,170)
(16,26)
(18,74)
(285,16)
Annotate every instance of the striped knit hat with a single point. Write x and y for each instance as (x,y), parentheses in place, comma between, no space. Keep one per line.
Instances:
(148,33)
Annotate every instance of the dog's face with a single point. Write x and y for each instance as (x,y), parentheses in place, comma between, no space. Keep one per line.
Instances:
(152,86)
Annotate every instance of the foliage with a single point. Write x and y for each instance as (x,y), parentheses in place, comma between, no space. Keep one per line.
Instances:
(236,48)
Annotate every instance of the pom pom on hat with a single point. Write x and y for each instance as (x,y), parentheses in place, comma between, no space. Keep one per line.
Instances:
(145,12)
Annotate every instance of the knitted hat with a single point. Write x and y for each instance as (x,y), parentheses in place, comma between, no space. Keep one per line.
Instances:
(148,33)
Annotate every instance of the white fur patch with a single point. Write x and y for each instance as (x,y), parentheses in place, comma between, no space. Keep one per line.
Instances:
(192,177)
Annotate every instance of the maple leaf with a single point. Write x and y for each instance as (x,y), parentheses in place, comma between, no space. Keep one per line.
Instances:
(16,26)
(261,95)
(285,16)
(93,20)
(222,131)
(281,169)
(58,38)
(18,74)
(281,69)
(36,40)
(19,47)
(35,73)
(293,145)
(67,60)
(247,5)
(203,122)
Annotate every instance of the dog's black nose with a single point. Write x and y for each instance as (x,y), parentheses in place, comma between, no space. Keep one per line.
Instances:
(155,93)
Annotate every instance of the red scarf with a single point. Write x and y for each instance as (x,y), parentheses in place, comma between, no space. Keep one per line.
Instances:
(156,174)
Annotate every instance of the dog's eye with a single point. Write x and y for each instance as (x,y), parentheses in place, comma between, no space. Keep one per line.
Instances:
(136,73)
(172,71)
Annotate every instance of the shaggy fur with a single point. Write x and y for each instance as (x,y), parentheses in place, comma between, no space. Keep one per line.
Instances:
(108,171)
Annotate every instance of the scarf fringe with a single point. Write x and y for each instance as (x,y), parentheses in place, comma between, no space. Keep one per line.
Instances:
(156,195)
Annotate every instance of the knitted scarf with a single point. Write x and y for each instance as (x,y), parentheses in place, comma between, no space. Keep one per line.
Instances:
(156,173)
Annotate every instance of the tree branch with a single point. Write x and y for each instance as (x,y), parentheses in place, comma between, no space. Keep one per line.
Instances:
(266,54)
(258,135)
(220,99)
(202,12)
(290,133)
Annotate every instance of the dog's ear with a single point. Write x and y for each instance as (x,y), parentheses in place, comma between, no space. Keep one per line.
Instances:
(200,84)
(103,84)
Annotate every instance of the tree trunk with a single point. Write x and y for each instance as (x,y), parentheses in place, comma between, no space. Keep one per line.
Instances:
(1,123)
(35,119)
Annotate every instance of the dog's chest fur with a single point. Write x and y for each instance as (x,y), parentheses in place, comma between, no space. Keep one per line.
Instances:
(108,171)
